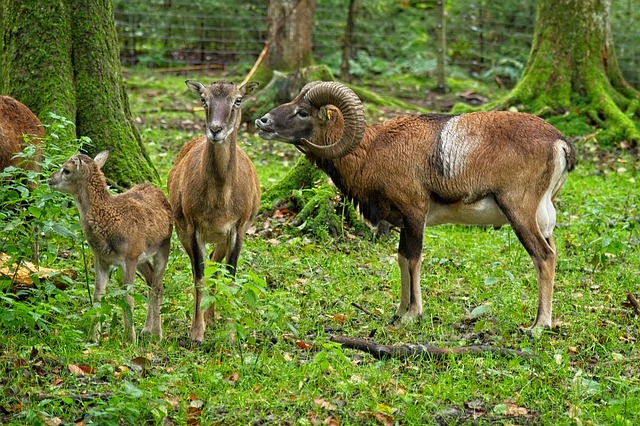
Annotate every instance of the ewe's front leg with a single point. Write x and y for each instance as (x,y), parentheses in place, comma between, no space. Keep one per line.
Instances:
(195,250)
(409,257)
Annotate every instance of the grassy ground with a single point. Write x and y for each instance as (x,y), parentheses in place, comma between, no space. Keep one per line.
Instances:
(267,358)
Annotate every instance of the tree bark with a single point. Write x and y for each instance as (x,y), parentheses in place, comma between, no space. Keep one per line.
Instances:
(290,24)
(63,57)
(573,67)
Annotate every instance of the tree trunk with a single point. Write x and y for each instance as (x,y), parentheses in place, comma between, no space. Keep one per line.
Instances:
(347,44)
(290,25)
(441,49)
(63,57)
(573,67)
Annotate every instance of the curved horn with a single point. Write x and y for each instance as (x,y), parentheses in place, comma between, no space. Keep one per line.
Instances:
(331,92)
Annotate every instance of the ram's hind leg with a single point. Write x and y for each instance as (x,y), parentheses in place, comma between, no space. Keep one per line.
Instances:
(534,229)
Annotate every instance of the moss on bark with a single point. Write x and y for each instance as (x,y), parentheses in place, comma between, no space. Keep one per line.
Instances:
(36,66)
(103,110)
(63,57)
(573,69)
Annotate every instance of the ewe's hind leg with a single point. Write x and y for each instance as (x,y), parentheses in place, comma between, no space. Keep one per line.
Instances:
(541,248)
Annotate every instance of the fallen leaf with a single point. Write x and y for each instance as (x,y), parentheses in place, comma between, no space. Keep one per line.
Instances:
(339,318)
(232,378)
(79,370)
(303,345)
(324,404)
(385,419)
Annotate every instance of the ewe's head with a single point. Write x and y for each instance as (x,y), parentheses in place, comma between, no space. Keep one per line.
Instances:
(221,101)
(326,120)
(75,172)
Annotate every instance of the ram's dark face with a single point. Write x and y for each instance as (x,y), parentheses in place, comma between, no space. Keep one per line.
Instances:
(291,122)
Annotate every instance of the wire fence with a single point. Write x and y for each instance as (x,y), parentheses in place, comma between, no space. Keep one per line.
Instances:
(486,40)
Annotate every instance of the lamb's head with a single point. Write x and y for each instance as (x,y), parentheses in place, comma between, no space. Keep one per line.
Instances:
(326,119)
(76,171)
(221,101)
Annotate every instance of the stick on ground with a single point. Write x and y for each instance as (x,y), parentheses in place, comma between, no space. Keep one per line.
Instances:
(380,351)
(634,302)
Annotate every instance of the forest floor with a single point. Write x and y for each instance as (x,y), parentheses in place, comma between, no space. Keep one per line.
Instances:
(269,357)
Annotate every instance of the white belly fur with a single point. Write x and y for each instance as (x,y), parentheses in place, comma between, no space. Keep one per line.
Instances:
(483,212)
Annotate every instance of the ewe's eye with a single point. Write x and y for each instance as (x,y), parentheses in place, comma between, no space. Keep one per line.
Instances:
(302,113)
(237,102)
(65,171)
(204,102)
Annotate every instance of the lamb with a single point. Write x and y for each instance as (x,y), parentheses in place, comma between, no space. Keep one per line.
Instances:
(213,189)
(131,230)
(17,122)
(481,168)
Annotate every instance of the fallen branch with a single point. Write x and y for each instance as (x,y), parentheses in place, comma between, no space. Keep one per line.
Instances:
(610,309)
(191,68)
(365,310)
(634,302)
(380,351)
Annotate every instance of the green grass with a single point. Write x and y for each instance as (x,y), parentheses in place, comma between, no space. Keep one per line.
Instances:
(267,359)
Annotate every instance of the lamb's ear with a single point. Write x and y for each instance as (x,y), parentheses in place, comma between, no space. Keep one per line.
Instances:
(101,158)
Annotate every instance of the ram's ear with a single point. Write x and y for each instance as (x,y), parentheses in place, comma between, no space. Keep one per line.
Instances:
(327,113)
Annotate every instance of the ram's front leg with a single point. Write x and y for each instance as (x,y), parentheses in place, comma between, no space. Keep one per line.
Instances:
(409,257)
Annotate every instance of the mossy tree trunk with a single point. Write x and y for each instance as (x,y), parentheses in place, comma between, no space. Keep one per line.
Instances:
(573,68)
(63,57)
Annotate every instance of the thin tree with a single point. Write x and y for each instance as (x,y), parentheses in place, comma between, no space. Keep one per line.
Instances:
(573,68)
(63,57)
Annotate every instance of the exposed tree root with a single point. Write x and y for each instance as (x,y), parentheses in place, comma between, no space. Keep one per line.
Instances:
(380,351)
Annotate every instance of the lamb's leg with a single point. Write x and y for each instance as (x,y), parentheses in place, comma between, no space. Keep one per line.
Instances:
(153,278)
(102,277)
(156,292)
(128,278)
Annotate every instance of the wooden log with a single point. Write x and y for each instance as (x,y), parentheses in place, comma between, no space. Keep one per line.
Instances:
(380,351)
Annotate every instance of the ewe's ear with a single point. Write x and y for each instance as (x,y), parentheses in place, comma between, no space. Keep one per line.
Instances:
(249,88)
(195,87)
(101,158)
